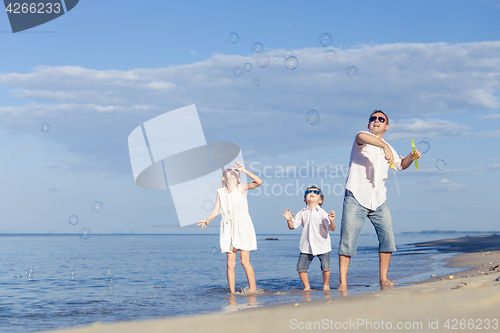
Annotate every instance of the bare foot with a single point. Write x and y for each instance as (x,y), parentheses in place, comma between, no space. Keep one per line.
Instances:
(342,286)
(326,287)
(307,289)
(387,282)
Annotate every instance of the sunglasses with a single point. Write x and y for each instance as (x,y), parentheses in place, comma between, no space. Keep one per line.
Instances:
(313,191)
(381,119)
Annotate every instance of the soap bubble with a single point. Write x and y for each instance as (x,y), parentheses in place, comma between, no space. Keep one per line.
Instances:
(312,117)
(352,71)
(276,58)
(263,60)
(30,273)
(441,165)
(45,127)
(287,54)
(425,139)
(85,233)
(257,48)
(247,67)
(291,63)
(72,275)
(73,220)
(395,180)
(423,146)
(208,205)
(234,38)
(214,273)
(256,82)
(108,273)
(238,71)
(160,285)
(97,206)
(214,187)
(330,55)
(214,250)
(325,39)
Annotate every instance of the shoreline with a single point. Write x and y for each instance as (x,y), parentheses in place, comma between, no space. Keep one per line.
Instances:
(470,297)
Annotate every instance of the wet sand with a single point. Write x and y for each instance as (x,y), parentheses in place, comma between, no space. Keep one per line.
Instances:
(466,301)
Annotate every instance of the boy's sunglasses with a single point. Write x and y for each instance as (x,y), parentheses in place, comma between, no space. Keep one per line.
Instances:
(313,191)
(381,119)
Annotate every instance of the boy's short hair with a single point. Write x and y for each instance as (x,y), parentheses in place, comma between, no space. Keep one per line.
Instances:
(317,188)
(379,111)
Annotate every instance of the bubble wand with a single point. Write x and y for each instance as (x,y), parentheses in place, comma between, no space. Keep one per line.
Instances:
(414,155)
(395,178)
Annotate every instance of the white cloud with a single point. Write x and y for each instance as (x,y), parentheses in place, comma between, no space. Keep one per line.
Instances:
(414,83)
(444,185)
(428,127)
(491,116)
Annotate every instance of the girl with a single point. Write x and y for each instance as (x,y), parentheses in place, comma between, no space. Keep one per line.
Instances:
(236,228)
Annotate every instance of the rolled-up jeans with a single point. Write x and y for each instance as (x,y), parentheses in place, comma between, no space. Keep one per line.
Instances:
(353,218)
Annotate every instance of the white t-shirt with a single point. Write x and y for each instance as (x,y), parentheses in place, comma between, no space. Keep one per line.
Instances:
(367,173)
(315,238)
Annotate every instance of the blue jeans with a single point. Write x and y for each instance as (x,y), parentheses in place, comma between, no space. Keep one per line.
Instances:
(305,260)
(353,218)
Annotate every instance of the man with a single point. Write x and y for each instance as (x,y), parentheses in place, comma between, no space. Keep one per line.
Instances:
(365,195)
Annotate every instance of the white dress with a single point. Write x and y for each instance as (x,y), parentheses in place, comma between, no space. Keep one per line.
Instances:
(236,227)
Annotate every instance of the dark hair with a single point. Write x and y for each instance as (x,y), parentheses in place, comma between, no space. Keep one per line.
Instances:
(379,111)
(317,188)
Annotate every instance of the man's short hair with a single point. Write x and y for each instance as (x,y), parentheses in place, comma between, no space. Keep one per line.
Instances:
(379,111)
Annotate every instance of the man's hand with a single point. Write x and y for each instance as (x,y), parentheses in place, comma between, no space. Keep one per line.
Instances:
(388,155)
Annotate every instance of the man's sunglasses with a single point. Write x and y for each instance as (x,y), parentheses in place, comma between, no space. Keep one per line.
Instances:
(381,119)
(313,191)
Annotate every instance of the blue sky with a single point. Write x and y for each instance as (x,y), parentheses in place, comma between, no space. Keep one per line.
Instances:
(100,71)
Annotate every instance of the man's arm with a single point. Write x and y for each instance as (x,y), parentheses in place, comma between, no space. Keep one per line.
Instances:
(365,138)
(408,160)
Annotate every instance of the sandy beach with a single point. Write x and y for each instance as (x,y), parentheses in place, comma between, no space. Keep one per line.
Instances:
(466,301)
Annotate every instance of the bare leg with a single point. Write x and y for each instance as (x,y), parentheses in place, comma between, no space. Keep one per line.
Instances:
(245,262)
(326,280)
(343,268)
(305,280)
(384,260)
(231,263)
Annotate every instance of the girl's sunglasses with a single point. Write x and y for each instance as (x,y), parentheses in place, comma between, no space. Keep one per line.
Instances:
(381,119)
(313,191)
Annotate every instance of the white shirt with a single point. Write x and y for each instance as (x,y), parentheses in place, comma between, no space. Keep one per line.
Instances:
(368,172)
(315,238)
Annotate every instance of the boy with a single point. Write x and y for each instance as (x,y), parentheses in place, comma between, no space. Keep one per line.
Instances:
(315,240)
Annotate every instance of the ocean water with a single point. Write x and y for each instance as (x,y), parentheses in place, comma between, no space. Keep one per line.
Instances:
(108,278)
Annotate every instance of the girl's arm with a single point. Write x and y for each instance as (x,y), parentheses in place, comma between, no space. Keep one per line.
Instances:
(213,214)
(256,180)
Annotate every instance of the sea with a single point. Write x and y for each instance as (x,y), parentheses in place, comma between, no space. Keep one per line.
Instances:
(50,282)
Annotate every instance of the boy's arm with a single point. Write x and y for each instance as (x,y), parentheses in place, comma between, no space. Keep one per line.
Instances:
(331,217)
(288,216)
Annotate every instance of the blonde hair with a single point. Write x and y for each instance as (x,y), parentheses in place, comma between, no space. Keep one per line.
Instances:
(224,179)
